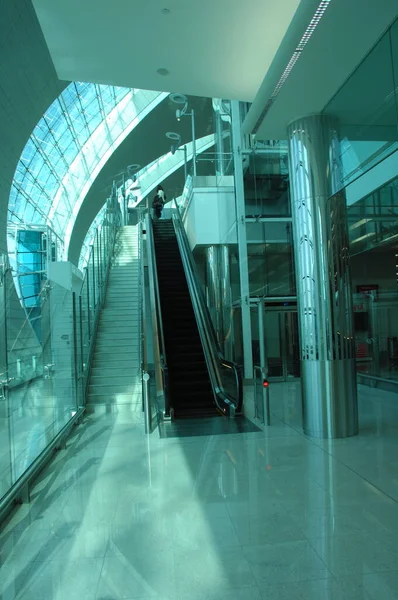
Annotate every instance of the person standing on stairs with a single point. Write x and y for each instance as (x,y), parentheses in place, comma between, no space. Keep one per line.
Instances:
(158,202)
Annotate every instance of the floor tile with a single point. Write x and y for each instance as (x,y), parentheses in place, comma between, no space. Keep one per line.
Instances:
(141,575)
(355,554)
(62,580)
(382,586)
(268,529)
(210,569)
(320,589)
(285,562)
(249,593)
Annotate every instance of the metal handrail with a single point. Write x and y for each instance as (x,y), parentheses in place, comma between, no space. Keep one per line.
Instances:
(158,334)
(213,354)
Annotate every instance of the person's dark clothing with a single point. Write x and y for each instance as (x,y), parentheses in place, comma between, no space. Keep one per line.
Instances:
(158,203)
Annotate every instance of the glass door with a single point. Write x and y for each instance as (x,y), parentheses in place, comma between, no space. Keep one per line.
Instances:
(281,344)
(274,344)
(292,345)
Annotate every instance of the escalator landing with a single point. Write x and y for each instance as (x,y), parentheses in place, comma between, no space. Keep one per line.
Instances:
(211,426)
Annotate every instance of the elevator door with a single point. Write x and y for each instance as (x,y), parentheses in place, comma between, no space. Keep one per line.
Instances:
(281,344)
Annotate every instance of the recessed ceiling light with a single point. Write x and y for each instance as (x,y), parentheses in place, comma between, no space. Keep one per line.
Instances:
(163,72)
(178,98)
(166,11)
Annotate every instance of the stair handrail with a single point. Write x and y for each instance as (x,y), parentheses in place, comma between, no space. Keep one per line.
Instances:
(159,346)
(213,354)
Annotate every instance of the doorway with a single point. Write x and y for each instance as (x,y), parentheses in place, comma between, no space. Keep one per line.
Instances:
(281,343)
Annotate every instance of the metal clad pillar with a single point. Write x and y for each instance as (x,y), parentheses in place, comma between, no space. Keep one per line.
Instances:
(242,240)
(323,279)
(219,295)
(213,277)
(226,302)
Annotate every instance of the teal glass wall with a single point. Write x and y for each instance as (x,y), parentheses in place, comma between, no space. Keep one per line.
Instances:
(373,231)
(367,109)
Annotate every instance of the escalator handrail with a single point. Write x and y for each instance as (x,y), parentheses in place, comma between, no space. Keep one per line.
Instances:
(205,323)
(156,308)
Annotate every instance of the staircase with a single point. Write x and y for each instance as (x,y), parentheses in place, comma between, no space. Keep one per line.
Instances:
(190,390)
(115,377)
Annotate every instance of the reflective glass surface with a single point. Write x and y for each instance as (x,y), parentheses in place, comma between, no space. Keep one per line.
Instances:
(270,259)
(266,183)
(367,109)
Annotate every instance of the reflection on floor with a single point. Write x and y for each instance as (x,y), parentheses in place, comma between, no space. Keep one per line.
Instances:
(196,427)
(261,515)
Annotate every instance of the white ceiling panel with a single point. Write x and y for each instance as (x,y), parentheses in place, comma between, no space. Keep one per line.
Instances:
(213,48)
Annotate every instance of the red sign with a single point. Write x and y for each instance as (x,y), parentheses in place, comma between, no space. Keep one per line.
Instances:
(367,289)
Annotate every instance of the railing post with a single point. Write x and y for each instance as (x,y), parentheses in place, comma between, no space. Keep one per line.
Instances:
(147,410)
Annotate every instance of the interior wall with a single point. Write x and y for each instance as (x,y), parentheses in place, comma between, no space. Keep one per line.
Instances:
(28,85)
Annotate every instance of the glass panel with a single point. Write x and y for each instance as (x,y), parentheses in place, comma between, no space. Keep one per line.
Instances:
(85,320)
(273,344)
(93,290)
(373,221)
(63,372)
(266,183)
(366,108)
(292,348)
(40,396)
(271,262)
(44,353)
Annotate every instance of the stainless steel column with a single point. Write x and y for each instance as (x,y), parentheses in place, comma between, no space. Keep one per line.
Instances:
(213,283)
(226,302)
(323,279)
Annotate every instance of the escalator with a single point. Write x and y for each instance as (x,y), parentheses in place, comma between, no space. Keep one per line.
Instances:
(197,382)
(189,383)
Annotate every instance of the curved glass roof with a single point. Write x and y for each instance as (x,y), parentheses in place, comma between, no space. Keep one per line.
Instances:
(68,148)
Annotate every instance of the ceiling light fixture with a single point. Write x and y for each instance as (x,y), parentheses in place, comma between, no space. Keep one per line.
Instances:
(320,11)
(173,136)
(163,72)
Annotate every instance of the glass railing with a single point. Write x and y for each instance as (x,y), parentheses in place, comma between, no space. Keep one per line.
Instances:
(225,375)
(155,392)
(261,396)
(45,355)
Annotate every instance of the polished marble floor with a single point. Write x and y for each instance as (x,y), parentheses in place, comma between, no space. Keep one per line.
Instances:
(267,515)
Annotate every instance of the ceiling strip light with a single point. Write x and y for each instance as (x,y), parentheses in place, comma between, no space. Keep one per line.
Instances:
(320,11)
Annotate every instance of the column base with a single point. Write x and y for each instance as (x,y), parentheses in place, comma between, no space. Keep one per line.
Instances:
(329,396)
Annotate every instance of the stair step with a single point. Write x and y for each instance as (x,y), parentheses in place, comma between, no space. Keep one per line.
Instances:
(113,313)
(116,335)
(115,388)
(115,363)
(118,372)
(114,398)
(129,379)
(118,326)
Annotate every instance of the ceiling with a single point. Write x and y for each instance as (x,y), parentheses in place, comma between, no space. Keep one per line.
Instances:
(213,49)
(344,36)
(144,144)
